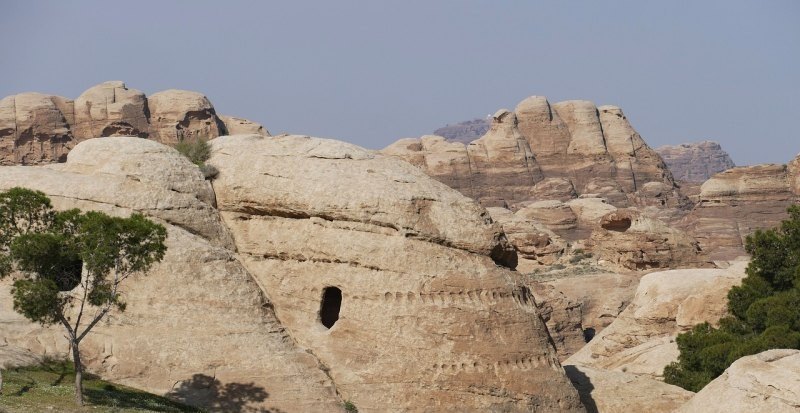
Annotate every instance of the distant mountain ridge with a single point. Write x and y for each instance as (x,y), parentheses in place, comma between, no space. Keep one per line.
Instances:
(695,162)
(466,131)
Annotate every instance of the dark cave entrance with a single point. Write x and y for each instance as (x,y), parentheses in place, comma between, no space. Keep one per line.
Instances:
(330,306)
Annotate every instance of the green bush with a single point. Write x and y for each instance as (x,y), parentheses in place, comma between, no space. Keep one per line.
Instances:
(349,407)
(198,152)
(763,312)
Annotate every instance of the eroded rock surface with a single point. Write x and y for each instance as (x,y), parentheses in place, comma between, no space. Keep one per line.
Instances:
(423,303)
(642,339)
(580,148)
(767,382)
(695,162)
(735,203)
(40,129)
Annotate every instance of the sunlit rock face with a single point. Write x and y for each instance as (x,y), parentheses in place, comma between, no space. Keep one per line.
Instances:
(415,267)
(39,129)
(310,270)
(578,149)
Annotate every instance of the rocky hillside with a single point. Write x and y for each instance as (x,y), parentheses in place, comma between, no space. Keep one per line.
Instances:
(37,128)
(464,132)
(695,162)
(543,151)
(368,281)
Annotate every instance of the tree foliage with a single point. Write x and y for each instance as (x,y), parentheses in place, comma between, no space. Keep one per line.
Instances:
(763,312)
(68,261)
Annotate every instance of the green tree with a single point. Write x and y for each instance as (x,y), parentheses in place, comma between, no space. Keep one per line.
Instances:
(763,312)
(68,262)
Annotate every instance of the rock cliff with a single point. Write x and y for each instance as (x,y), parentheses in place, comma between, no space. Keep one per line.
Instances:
(695,162)
(313,270)
(39,129)
(543,151)
(735,203)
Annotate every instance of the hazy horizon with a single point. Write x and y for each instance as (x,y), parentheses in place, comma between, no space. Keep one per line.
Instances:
(373,72)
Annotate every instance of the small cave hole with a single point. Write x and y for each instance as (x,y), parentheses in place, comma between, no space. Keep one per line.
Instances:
(588,334)
(330,306)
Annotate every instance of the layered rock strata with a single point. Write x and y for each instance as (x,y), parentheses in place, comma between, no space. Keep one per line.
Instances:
(735,203)
(695,162)
(641,340)
(354,277)
(39,129)
(423,304)
(575,147)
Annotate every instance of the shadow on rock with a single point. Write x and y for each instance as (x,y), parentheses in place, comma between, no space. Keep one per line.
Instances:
(209,393)
(584,386)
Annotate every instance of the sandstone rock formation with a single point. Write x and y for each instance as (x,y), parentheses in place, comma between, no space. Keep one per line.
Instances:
(631,240)
(735,203)
(40,129)
(641,340)
(767,382)
(355,277)
(191,317)
(421,299)
(604,391)
(581,148)
(695,162)
(535,244)
(33,130)
(464,132)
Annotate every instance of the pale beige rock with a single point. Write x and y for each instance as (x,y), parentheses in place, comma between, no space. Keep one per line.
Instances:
(583,123)
(641,339)
(553,214)
(767,382)
(33,130)
(604,391)
(241,126)
(633,241)
(110,109)
(131,175)
(589,211)
(536,245)
(735,203)
(562,317)
(554,188)
(423,305)
(182,115)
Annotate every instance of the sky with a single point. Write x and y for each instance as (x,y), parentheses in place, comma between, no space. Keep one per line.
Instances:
(371,72)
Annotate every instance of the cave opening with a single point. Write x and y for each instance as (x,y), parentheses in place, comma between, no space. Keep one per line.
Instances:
(330,306)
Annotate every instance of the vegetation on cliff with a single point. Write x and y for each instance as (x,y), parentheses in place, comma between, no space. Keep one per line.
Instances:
(764,312)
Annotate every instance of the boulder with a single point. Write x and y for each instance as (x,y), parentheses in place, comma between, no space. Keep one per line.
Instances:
(535,245)
(182,115)
(241,126)
(416,280)
(33,130)
(605,391)
(641,340)
(110,109)
(629,239)
(695,162)
(554,215)
(767,382)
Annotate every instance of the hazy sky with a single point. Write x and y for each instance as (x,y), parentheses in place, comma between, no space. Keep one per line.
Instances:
(370,72)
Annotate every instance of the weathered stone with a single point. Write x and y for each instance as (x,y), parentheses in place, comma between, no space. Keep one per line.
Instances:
(695,162)
(576,148)
(631,240)
(415,276)
(604,391)
(110,109)
(554,215)
(767,382)
(535,245)
(33,130)
(735,203)
(182,115)
(642,339)
(241,126)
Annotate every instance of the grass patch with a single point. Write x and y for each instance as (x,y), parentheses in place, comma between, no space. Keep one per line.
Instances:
(50,387)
